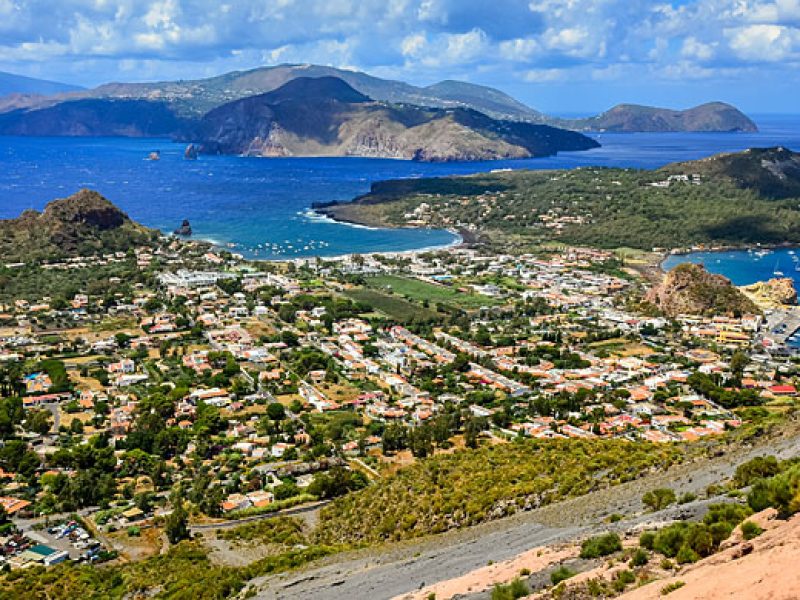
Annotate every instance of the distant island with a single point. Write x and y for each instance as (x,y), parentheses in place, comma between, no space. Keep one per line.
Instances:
(630,118)
(734,199)
(177,108)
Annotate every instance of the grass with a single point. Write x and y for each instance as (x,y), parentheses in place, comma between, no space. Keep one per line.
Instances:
(422,291)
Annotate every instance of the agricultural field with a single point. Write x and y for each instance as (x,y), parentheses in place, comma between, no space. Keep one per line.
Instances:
(422,291)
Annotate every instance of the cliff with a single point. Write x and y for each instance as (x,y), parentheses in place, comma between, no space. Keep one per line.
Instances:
(327,117)
(690,289)
(85,223)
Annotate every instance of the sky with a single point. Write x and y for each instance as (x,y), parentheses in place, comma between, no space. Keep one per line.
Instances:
(558,56)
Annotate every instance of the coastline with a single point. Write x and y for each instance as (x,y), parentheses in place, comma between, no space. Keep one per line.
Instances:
(460,239)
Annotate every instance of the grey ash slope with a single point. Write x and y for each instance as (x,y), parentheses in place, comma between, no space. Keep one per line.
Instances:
(327,117)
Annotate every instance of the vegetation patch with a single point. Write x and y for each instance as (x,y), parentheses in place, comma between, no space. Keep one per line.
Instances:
(467,487)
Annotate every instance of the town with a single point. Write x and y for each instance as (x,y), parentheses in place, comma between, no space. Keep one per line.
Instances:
(259,387)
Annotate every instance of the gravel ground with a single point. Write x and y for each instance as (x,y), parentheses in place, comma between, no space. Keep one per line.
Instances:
(383,573)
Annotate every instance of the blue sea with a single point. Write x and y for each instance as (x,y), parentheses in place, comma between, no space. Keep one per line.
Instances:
(260,206)
(744,267)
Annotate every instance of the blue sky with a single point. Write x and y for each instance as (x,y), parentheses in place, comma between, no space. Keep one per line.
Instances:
(559,56)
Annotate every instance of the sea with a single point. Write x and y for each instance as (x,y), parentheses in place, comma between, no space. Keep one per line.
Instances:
(260,207)
(744,267)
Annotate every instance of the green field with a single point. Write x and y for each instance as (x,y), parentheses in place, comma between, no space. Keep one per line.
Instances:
(395,307)
(422,291)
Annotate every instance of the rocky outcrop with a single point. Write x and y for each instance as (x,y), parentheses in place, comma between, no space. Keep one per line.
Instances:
(327,117)
(185,229)
(690,289)
(773,293)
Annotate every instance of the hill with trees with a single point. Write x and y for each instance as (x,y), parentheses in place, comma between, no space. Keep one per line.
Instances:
(735,199)
(83,224)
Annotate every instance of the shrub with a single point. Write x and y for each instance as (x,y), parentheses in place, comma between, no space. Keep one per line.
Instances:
(687,497)
(675,585)
(622,579)
(750,530)
(514,590)
(781,492)
(659,498)
(601,545)
(614,518)
(560,574)
(646,539)
(134,531)
(758,468)
(687,555)
(639,558)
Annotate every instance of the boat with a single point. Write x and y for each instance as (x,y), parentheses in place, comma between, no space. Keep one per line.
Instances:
(190,153)
(154,155)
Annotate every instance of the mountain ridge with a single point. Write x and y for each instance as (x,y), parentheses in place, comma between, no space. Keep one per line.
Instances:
(191,99)
(11,83)
(327,117)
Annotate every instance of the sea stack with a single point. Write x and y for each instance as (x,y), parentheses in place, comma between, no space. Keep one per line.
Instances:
(184,230)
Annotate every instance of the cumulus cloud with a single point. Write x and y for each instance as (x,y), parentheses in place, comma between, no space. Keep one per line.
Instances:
(525,42)
(767,43)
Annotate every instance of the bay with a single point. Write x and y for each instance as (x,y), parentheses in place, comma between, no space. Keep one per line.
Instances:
(744,267)
(260,206)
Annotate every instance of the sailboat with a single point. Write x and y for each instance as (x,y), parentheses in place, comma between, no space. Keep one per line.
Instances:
(777,272)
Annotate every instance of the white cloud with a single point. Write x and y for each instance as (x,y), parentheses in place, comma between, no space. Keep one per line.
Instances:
(519,49)
(413,45)
(544,75)
(764,43)
(695,49)
(418,40)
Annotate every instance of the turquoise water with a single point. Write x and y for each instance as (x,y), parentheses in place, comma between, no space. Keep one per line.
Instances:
(744,267)
(261,205)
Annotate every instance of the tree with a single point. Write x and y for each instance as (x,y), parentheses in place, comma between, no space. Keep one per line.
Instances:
(176,526)
(76,427)
(276,411)
(659,498)
(38,421)
(420,441)
(739,361)
(472,429)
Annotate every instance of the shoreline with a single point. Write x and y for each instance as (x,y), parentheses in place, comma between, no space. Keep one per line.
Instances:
(460,239)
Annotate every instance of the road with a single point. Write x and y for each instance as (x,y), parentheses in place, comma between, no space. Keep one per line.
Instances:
(397,569)
(307,510)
